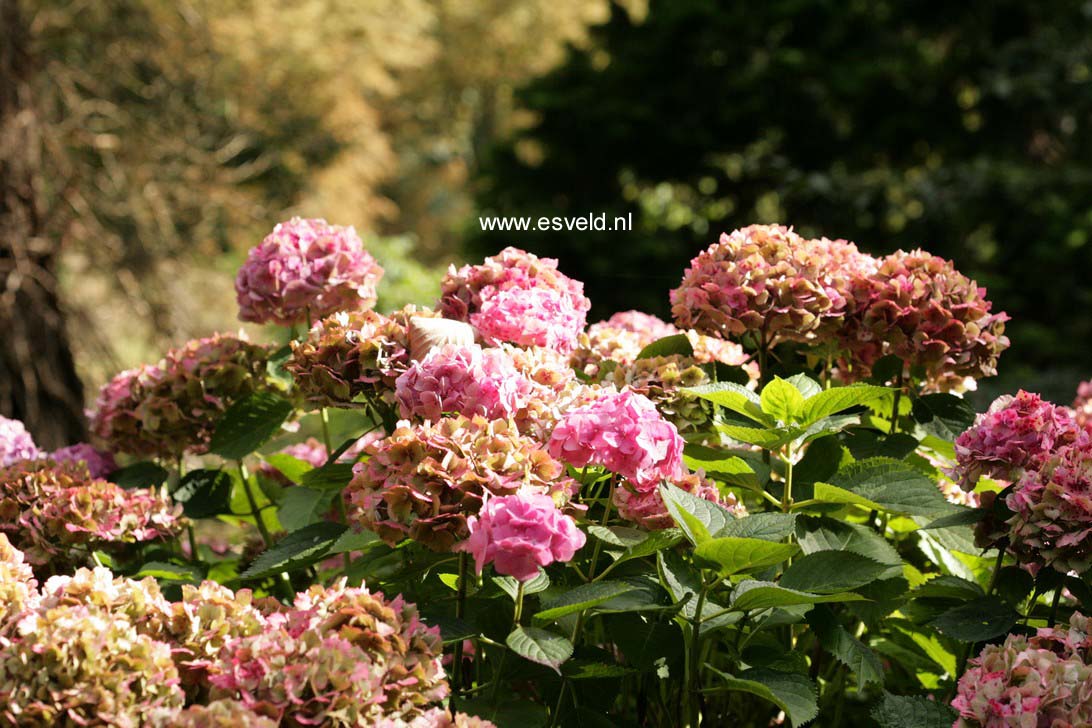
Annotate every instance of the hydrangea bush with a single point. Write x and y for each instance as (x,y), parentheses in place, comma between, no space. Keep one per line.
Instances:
(776,509)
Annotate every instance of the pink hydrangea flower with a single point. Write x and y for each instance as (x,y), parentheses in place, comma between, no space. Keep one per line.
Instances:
(464,380)
(98,462)
(529,317)
(520,533)
(1082,405)
(623,432)
(1015,433)
(306,268)
(645,507)
(15,442)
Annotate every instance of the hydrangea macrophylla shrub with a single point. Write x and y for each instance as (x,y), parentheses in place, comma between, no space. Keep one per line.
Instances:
(58,513)
(425,480)
(624,433)
(15,442)
(465,380)
(644,506)
(74,664)
(1016,433)
(1052,506)
(306,269)
(339,657)
(764,279)
(172,408)
(99,463)
(918,307)
(348,357)
(520,533)
(1044,680)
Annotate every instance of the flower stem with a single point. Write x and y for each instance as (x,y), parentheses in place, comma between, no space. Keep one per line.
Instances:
(518,614)
(895,405)
(460,609)
(254,510)
(1054,607)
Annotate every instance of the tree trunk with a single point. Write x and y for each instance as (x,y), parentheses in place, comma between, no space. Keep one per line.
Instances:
(38,380)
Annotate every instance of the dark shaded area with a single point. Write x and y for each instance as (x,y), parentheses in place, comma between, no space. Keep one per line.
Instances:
(958,127)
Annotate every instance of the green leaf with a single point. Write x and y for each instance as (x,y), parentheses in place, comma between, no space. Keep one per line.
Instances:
(750,595)
(766,526)
(204,493)
(943,415)
(835,400)
(697,517)
(913,711)
(655,542)
(767,439)
(828,534)
(734,397)
(353,541)
(732,470)
(864,444)
(962,517)
(288,466)
(332,476)
(169,572)
(827,493)
(682,582)
(948,587)
(538,645)
(805,385)
(580,598)
(824,572)
(510,586)
(248,423)
(303,506)
(144,474)
(667,346)
(977,621)
(297,550)
(730,555)
(793,693)
(894,486)
(782,401)
(847,649)
(585,670)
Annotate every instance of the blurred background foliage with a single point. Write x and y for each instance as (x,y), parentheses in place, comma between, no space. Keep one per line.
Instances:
(146,144)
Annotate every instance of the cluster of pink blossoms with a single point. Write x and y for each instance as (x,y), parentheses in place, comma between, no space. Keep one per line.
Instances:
(1044,680)
(624,433)
(520,533)
(172,408)
(58,513)
(1014,434)
(306,268)
(519,298)
(15,442)
(465,380)
(1082,405)
(99,462)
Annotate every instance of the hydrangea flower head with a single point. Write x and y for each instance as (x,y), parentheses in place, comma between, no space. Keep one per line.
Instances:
(15,442)
(98,462)
(529,317)
(425,480)
(520,533)
(306,268)
(1016,433)
(645,507)
(466,380)
(622,432)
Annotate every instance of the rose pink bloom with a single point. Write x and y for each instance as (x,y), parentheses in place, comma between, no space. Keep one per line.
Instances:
(529,316)
(1014,434)
(645,507)
(520,533)
(15,442)
(306,268)
(1082,405)
(98,462)
(464,380)
(622,432)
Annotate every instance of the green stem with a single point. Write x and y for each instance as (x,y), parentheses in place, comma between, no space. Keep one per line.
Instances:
(693,674)
(518,614)
(324,417)
(460,609)
(560,701)
(254,510)
(786,496)
(895,405)
(193,542)
(1054,607)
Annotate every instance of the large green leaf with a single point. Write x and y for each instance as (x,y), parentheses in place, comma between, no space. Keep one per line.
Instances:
(782,401)
(732,470)
(793,693)
(846,648)
(682,582)
(976,621)
(248,423)
(828,534)
(541,646)
(767,439)
(288,466)
(668,346)
(730,555)
(297,550)
(805,385)
(734,397)
(750,595)
(303,506)
(838,399)
(204,493)
(894,486)
(912,711)
(580,598)
(170,572)
(697,517)
(332,476)
(144,474)
(824,572)
(943,415)
(766,526)
(648,544)
(510,586)
(827,493)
